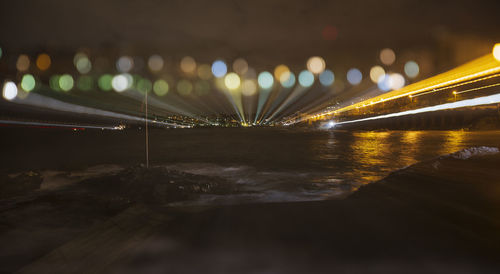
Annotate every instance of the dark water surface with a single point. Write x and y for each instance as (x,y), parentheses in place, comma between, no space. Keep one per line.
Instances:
(268,164)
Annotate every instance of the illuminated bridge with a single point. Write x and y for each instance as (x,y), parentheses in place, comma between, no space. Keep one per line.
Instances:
(442,101)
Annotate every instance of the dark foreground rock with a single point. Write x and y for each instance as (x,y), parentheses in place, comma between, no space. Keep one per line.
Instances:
(441,216)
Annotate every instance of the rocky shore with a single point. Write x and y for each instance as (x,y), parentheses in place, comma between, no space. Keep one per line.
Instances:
(438,216)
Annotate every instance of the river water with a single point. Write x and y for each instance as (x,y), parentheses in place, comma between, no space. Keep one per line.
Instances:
(267,165)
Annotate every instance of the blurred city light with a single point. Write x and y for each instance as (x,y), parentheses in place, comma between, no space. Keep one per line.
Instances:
(201,87)
(354,76)
(54,82)
(306,78)
(240,66)
(329,33)
(144,85)
(287,79)
(232,81)
(316,64)
(43,61)
(155,63)
(28,82)
(265,80)
(23,62)
(219,68)
(85,83)
(387,56)
(411,69)
(384,82)
(376,73)
(397,81)
(326,78)
(66,82)
(9,90)
(120,82)
(188,65)
(279,70)
(160,87)
(105,81)
(82,63)
(248,87)
(204,72)
(184,87)
(124,64)
(496,51)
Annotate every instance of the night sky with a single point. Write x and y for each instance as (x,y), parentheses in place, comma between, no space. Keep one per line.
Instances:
(264,32)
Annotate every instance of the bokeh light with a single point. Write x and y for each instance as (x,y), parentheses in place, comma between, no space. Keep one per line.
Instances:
(387,56)
(43,61)
(219,68)
(120,82)
(397,81)
(204,72)
(54,82)
(232,81)
(240,66)
(496,51)
(376,73)
(9,90)
(251,74)
(184,87)
(326,78)
(354,76)
(329,33)
(144,85)
(384,82)
(248,87)
(1,53)
(160,87)
(23,62)
(82,63)
(124,64)
(201,88)
(412,69)
(28,82)
(279,70)
(306,78)
(265,80)
(316,64)
(104,82)
(155,63)
(85,83)
(287,79)
(188,65)
(66,82)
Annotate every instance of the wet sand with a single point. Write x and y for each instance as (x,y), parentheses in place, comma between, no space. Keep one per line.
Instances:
(439,216)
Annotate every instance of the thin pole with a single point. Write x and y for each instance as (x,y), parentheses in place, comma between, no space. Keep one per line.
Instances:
(147,133)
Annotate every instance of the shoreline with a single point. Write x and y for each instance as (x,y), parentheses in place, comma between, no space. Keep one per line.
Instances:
(441,215)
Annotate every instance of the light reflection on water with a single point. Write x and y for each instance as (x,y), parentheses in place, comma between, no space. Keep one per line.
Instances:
(269,164)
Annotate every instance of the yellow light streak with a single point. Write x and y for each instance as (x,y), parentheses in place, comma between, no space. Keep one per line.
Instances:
(480,67)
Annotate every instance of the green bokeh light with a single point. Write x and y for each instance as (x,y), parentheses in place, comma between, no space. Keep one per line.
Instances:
(85,83)
(104,82)
(144,85)
(184,87)
(54,82)
(66,82)
(28,82)
(160,87)
(201,88)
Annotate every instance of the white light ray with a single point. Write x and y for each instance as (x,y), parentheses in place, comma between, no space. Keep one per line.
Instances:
(486,100)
